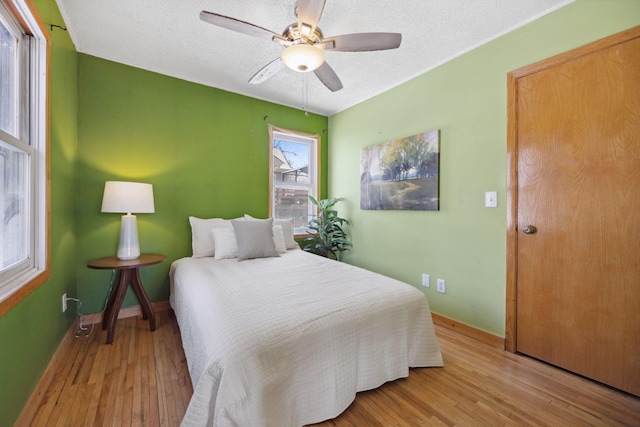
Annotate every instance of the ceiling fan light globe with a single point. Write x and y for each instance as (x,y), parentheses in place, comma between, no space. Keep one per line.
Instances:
(302,57)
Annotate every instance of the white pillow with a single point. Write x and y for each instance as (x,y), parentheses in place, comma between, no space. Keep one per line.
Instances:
(224,240)
(201,238)
(278,239)
(255,239)
(287,230)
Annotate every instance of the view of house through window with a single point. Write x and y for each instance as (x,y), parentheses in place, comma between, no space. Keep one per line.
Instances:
(294,166)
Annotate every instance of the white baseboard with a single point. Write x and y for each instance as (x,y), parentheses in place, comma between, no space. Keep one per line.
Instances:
(88,319)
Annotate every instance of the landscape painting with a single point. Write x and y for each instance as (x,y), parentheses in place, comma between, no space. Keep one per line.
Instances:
(401,174)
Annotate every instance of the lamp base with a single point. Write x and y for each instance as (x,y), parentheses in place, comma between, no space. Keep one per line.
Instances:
(128,248)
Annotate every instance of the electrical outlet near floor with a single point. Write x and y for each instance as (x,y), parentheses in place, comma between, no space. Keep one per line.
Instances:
(64,302)
(425,280)
(442,286)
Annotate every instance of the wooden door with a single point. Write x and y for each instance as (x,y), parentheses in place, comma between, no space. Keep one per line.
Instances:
(575,160)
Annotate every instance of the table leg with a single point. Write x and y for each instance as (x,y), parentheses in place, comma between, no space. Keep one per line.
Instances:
(111,303)
(113,308)
(147,308)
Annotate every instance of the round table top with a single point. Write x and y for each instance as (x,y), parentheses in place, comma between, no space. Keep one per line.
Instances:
(113,263)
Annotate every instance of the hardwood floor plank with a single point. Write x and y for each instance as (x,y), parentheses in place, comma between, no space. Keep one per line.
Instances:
(152,415)
(48,403)
(80,405)
(410,414)
(93,400)
(163,394)
(142,379)
(115,402)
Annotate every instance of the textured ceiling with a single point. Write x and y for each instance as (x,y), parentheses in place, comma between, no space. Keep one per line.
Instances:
(167,36)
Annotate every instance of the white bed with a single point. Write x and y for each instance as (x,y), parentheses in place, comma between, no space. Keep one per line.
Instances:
(288,341)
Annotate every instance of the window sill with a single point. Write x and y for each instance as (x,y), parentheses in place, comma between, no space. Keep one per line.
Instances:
(20,286)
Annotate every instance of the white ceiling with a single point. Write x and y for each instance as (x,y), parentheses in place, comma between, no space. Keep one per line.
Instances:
(167,36)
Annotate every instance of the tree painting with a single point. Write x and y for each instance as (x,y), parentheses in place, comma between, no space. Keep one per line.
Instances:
(401,174)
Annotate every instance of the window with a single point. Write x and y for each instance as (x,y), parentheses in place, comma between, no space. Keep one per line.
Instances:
(23,174)
(294,166)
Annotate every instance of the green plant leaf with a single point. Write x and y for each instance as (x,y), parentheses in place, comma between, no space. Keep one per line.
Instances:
(328,237)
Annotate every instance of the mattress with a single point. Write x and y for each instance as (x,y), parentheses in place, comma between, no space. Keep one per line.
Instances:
(290,340)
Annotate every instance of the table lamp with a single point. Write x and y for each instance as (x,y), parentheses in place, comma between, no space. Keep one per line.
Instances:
(128,197)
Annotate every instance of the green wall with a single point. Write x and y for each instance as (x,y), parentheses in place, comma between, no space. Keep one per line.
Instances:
(464,243)
(31,331)
(204,150)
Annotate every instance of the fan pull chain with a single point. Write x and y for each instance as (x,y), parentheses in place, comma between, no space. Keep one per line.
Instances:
(305,93)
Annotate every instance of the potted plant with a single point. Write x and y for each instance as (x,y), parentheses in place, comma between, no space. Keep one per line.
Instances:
(328,236)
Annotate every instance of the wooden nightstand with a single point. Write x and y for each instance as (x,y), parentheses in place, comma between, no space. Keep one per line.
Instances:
(129,274)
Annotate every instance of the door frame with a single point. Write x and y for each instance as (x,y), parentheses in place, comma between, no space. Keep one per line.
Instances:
(512,163)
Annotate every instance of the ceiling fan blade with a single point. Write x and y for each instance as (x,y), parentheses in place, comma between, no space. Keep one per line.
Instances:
(239,26)
(309,13)
(267,71)
(362,42)
(328,77)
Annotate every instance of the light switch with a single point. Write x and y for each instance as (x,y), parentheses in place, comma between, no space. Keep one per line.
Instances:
(491,199)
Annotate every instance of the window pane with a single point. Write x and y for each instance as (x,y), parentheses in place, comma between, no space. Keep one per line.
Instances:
(14,218)
(292,203)
(8,85)
(290,162)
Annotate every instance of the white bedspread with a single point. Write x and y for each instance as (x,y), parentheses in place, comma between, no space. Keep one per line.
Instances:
(289,341)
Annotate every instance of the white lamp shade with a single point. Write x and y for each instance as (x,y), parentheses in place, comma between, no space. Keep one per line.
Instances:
(302,57)
(127,197)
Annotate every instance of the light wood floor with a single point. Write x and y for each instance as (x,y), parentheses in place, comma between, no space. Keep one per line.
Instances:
(142,380)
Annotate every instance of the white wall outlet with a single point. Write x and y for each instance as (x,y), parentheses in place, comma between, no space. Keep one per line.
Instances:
(441,286)
(64,302)
(425,280)
(491,199)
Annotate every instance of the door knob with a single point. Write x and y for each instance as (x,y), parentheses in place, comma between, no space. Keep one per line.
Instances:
(529,229)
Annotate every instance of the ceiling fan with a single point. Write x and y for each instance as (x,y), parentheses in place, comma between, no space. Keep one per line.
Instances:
(304,43)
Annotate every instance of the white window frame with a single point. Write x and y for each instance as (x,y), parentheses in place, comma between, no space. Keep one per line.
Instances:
(22,278)
(313,186)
